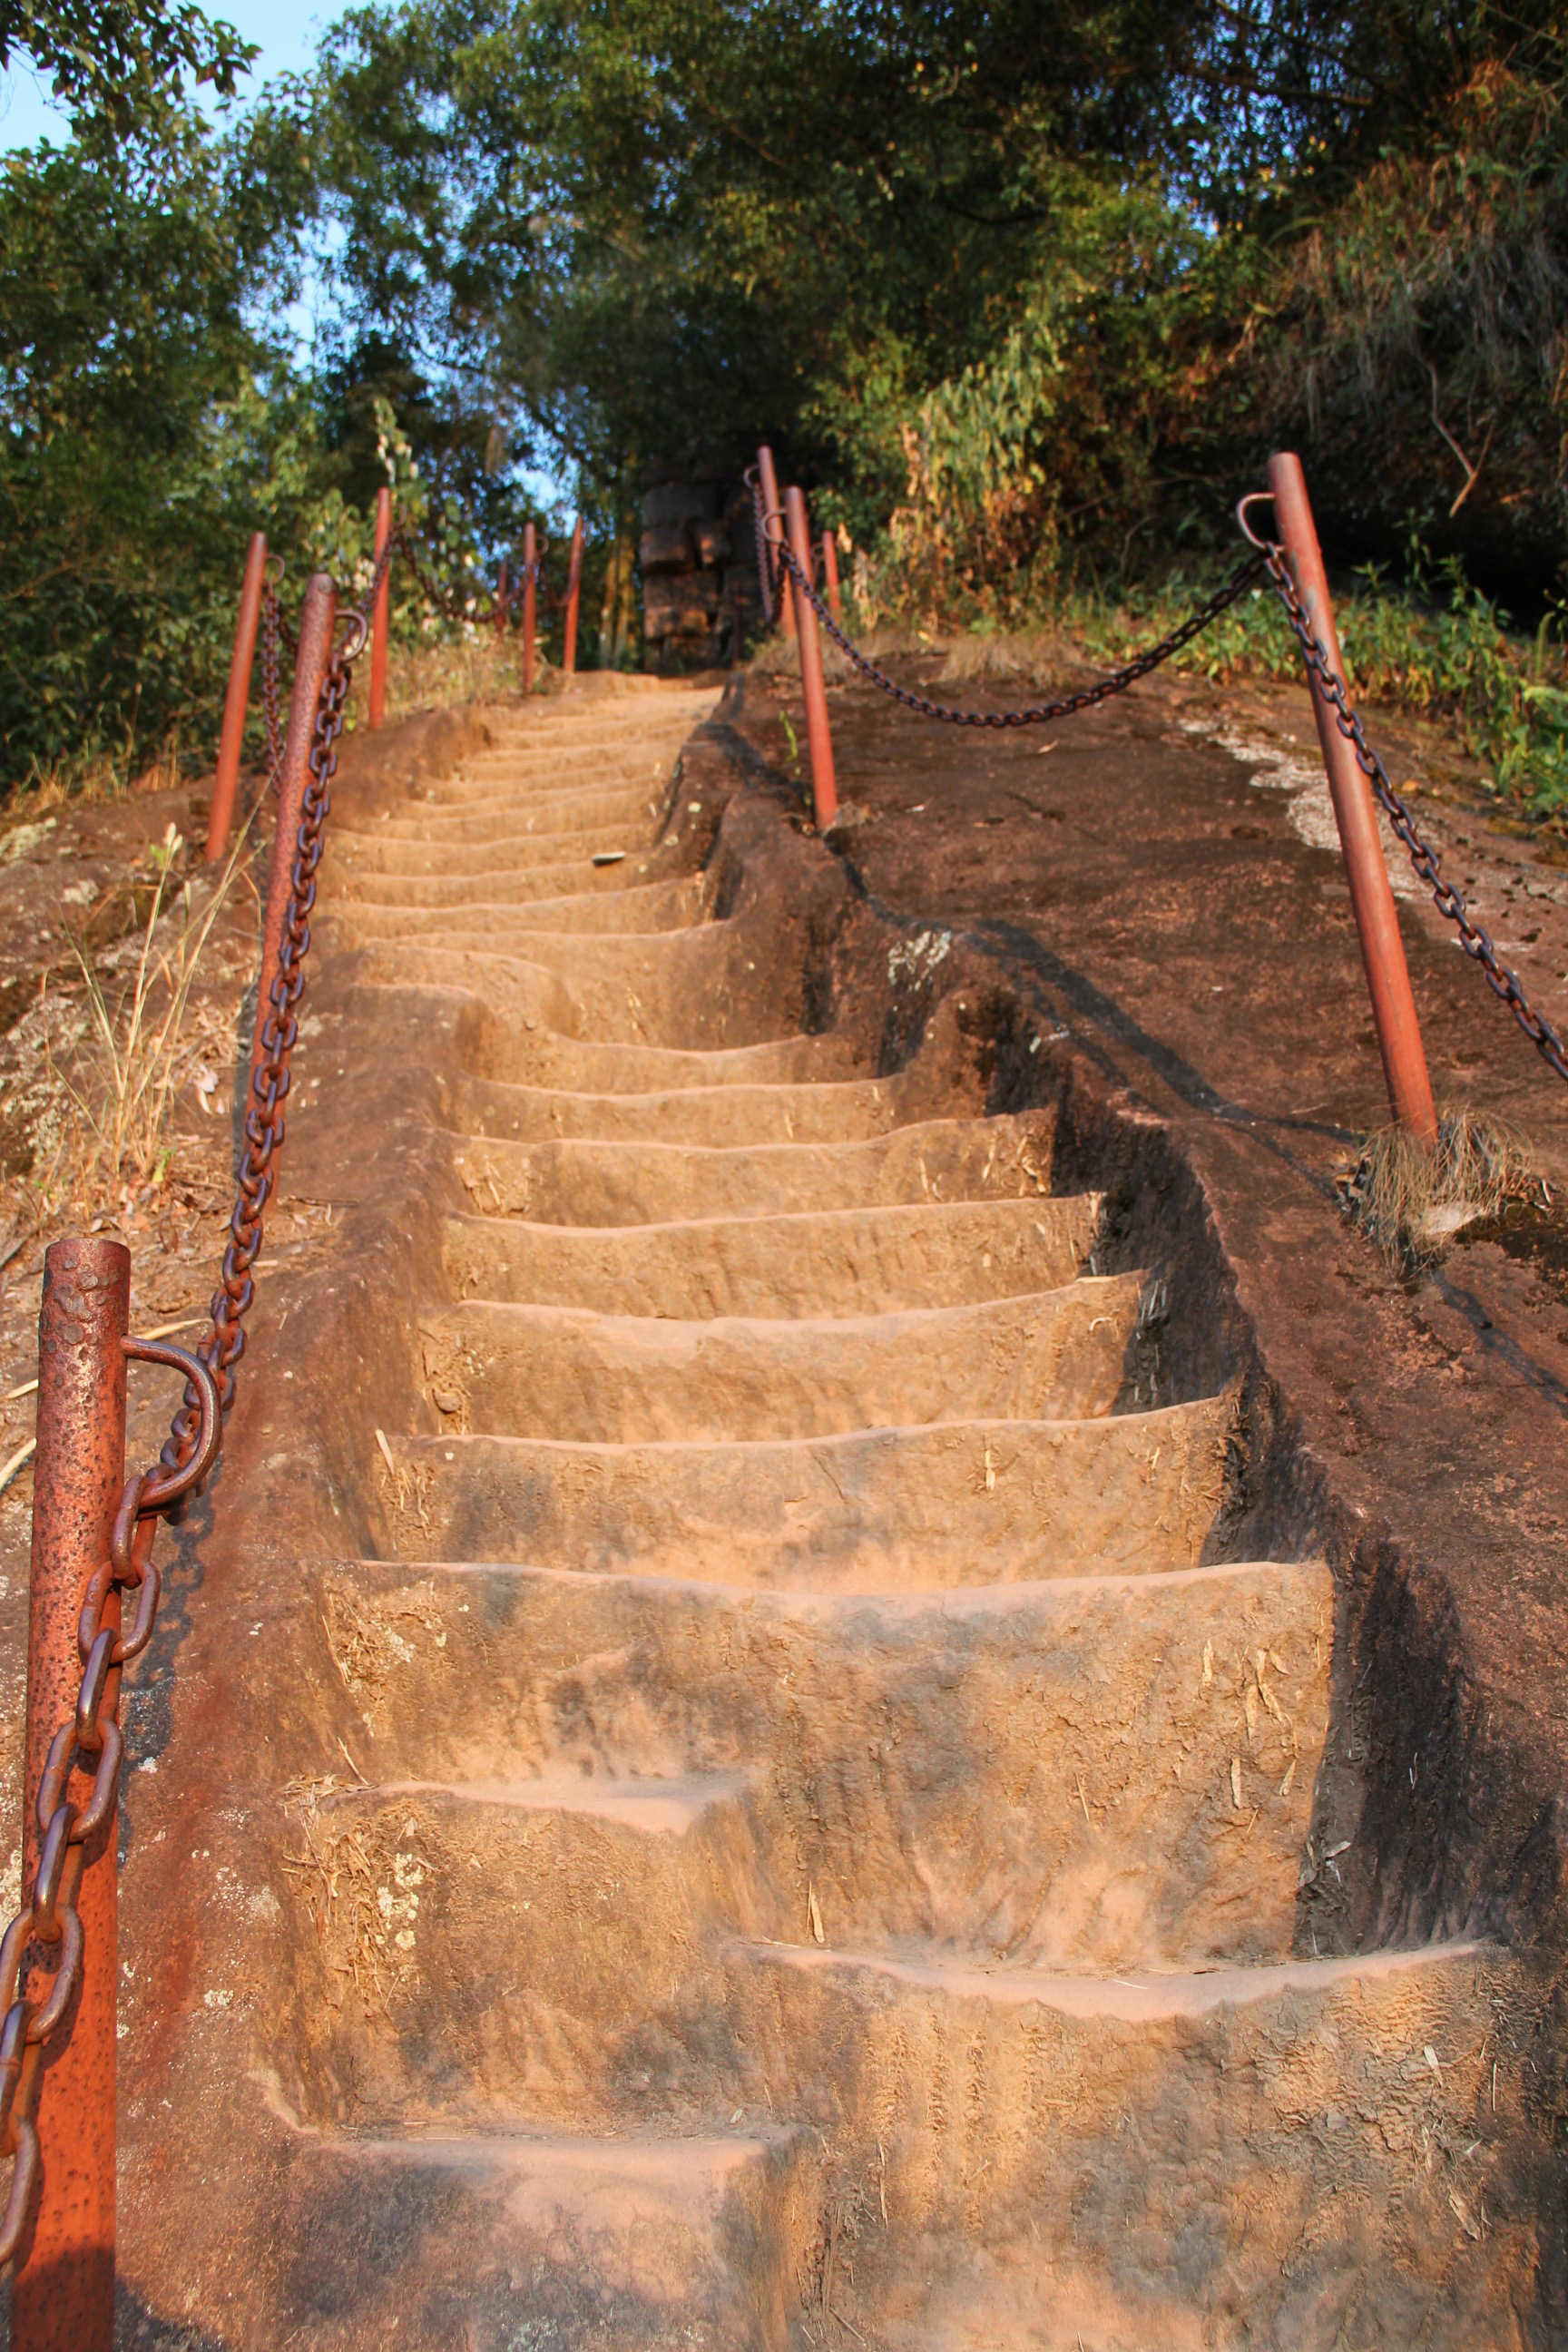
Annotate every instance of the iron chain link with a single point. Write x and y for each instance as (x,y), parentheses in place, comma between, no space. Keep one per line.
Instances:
(223,1346)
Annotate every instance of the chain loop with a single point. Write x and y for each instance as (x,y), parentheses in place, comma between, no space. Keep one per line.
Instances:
(1449,902)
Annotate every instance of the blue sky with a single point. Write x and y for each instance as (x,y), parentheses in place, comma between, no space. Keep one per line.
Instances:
(286,32)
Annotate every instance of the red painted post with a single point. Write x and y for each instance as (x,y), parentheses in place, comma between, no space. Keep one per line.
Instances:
(378,619)
(574,583)
(502,606)
(225,783)
(770,502)
(830,574)
(529,567)
(317,621)
(818,738)
(1372,897)
(62,2293)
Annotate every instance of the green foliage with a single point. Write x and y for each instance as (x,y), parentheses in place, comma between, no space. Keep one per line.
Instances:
(134,427)
(674,226)
(147,427)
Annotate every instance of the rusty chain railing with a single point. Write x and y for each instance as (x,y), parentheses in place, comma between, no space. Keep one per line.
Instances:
(89,1741)
(43,1953)
(1035,714)
(222,1347)
(1448,901)
(776,559)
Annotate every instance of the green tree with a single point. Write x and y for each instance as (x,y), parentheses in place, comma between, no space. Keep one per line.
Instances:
(145,428)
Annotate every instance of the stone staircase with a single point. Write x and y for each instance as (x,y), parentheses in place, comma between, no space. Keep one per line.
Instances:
(837,1859)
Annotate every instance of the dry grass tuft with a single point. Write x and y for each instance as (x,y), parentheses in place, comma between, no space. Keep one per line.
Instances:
(472,667)
(120,1069)
(891,639)
(1412,1201)
(89,776)
(1039,659)
(779,657)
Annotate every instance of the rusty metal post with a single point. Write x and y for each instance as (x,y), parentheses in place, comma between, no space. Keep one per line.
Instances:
(529,566)
(830,575)
(772,505)
(317,621)
(225,783)
(379,617)
(574,583)
(1371,897)
(62,2295)
(819,739)
(502,600)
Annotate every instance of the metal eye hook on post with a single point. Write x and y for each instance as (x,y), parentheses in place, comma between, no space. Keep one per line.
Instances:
(753,482)
(767,502)
(162,1488)
(1387,972)
(796,551)
(353,643)
(1254,499)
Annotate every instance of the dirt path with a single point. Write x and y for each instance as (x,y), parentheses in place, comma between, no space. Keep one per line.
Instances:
(758,1753)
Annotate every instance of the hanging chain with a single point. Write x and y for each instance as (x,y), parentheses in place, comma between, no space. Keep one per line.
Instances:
(223,1346)
(91,1740)
(447,600)
(1035,714)
(1449,902)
